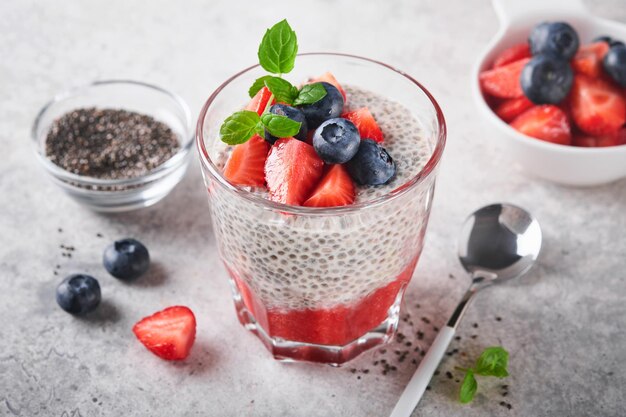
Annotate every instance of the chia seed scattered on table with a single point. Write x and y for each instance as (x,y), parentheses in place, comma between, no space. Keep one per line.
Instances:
(109,143)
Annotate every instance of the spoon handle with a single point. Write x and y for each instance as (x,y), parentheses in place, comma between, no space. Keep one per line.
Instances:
(417,385)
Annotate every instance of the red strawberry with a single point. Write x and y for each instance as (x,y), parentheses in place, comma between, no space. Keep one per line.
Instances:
(504,81)
(588,59)
(247,163)
(169,333)
(610,139)
(330,79)
(513,107)
(259,101)
(546,122)
(597,107)
(292,170)
(365,123)
(335,189)
(512,54)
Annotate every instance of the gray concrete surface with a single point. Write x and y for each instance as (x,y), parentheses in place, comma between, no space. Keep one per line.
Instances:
(564,324)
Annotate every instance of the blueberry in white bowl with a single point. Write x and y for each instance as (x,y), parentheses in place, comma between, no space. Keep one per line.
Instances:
(546,79)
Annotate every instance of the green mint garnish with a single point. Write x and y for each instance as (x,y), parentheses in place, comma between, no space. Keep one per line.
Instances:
(278,49)
(280,126)
(240,126)
(258,84)
(492,362)
(309,94)
(282,89)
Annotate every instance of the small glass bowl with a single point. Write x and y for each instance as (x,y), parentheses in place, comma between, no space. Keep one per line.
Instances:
(106,195)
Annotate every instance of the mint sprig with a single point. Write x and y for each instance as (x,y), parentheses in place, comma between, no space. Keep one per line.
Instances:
(492,362)
(278,49)
(240,126)
(280,126)
(282,89)
(309,94)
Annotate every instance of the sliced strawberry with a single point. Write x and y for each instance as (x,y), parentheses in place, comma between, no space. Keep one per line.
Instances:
(259,101)
(513,107)
(247,163)
(546,122)
(504,81)
(512,54)
(335,189)
(169,333)
(610,139)
(597,107)
(588,59)
(330,79)
(292,170)
(365,123)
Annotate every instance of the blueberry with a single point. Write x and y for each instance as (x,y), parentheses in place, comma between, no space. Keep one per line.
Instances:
(293,114)
(615,64)
(615,43)
(329,107)
(546,79)
(604,38)
(554,38)
(78,294)
(126,259)
(336,141)
(371,165)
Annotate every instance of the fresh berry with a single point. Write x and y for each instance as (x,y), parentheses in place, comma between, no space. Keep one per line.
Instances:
(371,165)
(246,165)
(597,107)
(512,54)
(292,171)
(365,123)
(329,107)
(588,59)
(126,259)
(336,140)
(169,333)
(330,78)
(513,107)
(555,38)
(546,79)
(546,122)
(260,100)
(615,63)
(504,82)
(335,189)
(605,39)
(293,114)
(78,294)
(611,139)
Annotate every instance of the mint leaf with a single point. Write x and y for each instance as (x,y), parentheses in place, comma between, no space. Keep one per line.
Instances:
(278,49)
(280,126)
(493,362)
(258,84)
(282,89)
(240,126)
(309,94)
(468,387)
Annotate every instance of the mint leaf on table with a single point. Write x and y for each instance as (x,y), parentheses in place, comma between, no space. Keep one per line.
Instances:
(280,126)
(282,89)
(309,94)
(258,84)
(278,49)
(240,126)
(468,387)
(493,362)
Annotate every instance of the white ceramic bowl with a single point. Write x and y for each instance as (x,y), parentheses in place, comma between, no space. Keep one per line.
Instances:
(559,163)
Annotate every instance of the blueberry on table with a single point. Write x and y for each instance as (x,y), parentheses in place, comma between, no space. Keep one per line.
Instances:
(546,79)
(126,259)
(371,165)
(292,113)
(615,63)
(78,294)
(554,38)
(336,140)
(329,107)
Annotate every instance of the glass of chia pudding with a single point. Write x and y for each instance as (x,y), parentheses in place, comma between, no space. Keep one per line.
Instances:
(324,284)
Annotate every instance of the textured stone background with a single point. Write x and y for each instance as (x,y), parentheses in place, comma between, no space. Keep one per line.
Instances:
(564,324)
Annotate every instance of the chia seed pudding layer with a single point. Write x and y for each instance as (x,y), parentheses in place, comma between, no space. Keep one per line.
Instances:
(321,262)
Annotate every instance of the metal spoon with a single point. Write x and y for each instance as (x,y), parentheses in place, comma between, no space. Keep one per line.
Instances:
(498,242)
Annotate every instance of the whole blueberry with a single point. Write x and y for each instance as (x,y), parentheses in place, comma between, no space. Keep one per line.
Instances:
(126,259)
(371,165)
(615,64)
(78,294)
(329,107)
(546,79)
(554,38)
(293,114)
(336,140)
(615,43)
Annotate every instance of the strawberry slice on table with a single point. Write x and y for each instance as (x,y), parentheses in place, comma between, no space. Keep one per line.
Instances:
(588,59)
(546,122)
(259,101)
(335,189)
(169,333)
(292,171)
(246,165)
(513,107)
(512,54)
(365,123)
(503,82)
(330,79)
(598,107)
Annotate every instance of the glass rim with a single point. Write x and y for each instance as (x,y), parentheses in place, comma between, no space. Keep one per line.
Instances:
(428,168)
